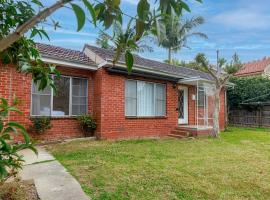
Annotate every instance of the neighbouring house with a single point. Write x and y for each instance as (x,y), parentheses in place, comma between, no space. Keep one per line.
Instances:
(257,67)
(155,100)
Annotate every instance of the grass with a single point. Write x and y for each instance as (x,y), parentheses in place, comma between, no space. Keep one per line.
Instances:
(236,166)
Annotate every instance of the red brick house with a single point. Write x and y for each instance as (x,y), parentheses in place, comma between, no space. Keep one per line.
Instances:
(257,67)
(157,99)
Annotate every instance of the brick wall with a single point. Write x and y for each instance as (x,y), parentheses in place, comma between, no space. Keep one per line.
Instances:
(107,103)
(17,84)
(114,124)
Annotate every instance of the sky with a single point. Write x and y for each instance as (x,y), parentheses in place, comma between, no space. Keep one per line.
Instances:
(232,26)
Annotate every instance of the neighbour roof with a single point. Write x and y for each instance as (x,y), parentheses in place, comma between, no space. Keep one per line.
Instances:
(107,54)
(254,67)
(64,54)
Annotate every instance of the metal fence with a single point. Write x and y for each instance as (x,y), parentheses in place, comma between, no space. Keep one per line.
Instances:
(250,116)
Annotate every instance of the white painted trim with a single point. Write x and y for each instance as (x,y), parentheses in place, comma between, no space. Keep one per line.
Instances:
(102,64)
(185,119)
(68,63)
(194,80)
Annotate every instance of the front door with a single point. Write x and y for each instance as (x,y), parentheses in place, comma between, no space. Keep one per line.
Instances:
(183,105)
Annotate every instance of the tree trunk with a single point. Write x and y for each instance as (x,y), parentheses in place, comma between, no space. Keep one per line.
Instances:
(170,55)
(18,33)
(216,129)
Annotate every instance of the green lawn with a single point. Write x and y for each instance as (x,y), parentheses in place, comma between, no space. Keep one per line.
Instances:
(236,166)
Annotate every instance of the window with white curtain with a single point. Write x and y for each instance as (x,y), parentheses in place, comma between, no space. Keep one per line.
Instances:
(69,99)
(145,99)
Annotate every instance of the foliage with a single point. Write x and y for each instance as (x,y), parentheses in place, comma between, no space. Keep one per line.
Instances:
(87,122)
(234,66)
(41,124)
(207,168)
(181,63)
(248,89)
(23,52)
(10,160)
(231,67)
(220,76)
(103,40)
(23,17)
(177,31)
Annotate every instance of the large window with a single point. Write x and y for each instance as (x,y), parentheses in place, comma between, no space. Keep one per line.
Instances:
(69,99)
(144,99)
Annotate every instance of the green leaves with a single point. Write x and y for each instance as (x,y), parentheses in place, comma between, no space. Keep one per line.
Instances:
(143,9)
(80,15)
(185,6)
(10,160)
(129,60)
(91,10)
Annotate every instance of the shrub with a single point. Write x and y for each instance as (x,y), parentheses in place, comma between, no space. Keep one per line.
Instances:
(87,124)
(41,124)
(248,89)
(10,160)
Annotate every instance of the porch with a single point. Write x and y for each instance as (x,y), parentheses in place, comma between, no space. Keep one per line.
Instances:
(195,108)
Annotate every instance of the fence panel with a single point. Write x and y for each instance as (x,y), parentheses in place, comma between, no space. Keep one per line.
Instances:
(251,117)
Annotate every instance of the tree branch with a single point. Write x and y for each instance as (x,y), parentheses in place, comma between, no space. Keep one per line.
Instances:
(18,33)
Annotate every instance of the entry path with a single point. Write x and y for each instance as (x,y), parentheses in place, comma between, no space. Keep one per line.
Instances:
(51,179)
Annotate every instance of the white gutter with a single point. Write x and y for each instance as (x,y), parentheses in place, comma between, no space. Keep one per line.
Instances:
(68,63)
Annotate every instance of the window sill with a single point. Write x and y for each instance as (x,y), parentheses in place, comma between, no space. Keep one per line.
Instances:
(150,117)
(55,117)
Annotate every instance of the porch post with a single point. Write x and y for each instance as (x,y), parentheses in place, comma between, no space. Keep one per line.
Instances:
(197,96)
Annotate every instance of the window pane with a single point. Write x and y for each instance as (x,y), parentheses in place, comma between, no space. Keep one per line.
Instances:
(79,96)
(35,90)
(131,98)
(160,92)
(201,97)
(61,97)
(131,89)
(79,109)
(79,101)
(145,94)
(160,108)
(79,87)
(41,105)
(160,100)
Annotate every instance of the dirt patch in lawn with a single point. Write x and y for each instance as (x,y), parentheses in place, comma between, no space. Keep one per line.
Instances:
(19,190)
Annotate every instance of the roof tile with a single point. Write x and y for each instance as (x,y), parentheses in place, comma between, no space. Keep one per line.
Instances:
(254,67)
(47,50)
(152,64)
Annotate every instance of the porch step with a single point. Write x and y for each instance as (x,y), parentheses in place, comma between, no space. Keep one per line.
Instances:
(176,136)
(180,132)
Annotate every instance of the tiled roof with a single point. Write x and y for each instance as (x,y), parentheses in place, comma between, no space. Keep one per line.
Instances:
(64,54)
(254,67)
(152,64)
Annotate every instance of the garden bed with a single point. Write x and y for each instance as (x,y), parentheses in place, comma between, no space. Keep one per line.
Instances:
(18,190)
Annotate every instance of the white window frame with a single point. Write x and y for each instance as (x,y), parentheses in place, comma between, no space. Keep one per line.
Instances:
(155,111)
(51,102)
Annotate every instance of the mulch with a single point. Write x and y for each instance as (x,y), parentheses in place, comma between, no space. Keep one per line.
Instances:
(19,190)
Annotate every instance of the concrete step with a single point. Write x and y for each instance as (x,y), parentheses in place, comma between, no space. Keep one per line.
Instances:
(176,136)
(180,132)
